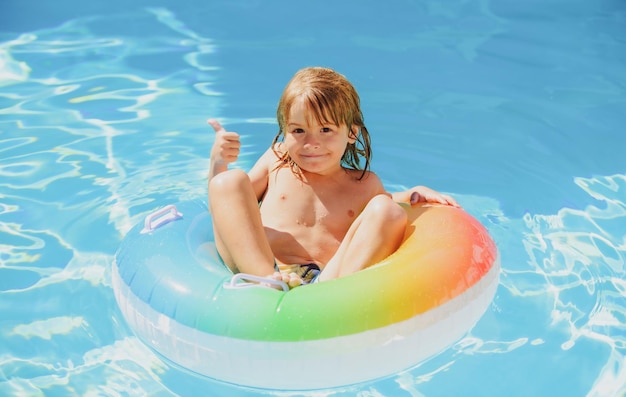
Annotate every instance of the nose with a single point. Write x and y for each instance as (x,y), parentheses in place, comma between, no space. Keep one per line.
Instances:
(311,141)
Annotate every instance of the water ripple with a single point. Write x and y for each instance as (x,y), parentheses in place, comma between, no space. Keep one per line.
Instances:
(578,258)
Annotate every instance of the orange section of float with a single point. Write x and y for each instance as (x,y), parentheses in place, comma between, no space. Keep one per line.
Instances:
(445,252)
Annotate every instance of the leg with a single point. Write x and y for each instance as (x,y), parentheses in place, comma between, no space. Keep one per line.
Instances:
(375,234)
(239,234)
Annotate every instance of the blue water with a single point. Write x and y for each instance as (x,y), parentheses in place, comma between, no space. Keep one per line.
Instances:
(516,108)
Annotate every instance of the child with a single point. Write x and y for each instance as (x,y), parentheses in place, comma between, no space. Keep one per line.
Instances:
(308,204)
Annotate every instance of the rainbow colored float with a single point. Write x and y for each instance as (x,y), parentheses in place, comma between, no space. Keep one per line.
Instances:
(181,301)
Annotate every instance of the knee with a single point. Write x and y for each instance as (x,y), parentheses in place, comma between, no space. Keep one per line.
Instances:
(383,209)
(228,181)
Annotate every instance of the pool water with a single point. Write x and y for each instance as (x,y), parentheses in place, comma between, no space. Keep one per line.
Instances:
(516,108)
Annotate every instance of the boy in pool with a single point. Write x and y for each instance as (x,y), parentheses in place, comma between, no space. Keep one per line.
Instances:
(308,209)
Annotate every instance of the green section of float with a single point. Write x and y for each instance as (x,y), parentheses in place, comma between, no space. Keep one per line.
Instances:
(309,312)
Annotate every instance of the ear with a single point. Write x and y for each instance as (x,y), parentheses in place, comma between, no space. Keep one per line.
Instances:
(353,134)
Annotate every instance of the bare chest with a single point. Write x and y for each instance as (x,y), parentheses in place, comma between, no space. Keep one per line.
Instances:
(325,207)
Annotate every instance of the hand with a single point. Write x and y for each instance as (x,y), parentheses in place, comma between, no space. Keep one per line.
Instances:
(422,194)
(226,146)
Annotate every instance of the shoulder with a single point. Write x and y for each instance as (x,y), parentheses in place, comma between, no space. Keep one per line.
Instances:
(368,180)
(267,161)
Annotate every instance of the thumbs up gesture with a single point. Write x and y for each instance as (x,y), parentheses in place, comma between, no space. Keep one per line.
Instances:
(226,146)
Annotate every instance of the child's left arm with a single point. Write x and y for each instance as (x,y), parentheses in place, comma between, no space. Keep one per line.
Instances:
(422,194)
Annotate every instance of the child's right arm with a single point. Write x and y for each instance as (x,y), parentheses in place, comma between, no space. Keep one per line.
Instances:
(225,150)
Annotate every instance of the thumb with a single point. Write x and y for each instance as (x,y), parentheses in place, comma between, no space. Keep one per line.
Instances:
(216,125)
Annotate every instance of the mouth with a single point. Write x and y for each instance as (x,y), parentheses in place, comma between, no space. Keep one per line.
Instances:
(312,156)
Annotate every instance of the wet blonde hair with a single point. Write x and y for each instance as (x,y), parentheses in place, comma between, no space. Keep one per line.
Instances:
(331,98)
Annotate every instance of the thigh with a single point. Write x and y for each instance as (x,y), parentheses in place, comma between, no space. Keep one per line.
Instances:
(375,234)
(239,234)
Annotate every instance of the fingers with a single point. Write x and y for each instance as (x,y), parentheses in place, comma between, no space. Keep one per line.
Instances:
(221,131)
(227,145)
(431,196)
(217,127)
(450,201)
(425,197)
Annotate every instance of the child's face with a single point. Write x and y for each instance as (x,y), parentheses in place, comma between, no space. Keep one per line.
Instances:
(315,147)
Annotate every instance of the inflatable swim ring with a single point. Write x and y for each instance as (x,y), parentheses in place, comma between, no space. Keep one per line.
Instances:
(181,301)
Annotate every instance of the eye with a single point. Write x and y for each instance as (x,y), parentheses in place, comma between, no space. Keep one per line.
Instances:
(297,131)
(327,129)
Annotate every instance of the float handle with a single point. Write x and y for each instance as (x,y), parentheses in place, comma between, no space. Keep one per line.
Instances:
(160,217)
(262,282)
